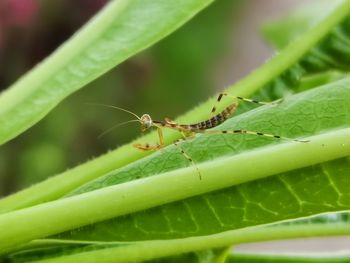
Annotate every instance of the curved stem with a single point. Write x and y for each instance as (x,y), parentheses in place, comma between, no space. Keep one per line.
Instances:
(68,213)
(147,250)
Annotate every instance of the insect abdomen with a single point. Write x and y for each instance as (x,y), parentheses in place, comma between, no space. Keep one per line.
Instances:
(216,120)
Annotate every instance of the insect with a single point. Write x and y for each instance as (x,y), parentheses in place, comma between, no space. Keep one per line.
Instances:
(189,131)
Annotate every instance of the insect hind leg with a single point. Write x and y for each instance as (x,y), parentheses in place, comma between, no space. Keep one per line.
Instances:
(221,95)
(256,133)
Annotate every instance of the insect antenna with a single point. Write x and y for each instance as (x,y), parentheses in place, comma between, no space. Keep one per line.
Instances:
(119,124)
(115,107)
(116,126)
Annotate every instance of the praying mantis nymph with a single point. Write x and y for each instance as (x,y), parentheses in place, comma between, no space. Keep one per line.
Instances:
(189,131)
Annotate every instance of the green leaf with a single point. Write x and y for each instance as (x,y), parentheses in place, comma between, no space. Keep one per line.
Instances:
(122,29)
(238,190)
(248,197)
(263,258)
(146,250)
(278,76)
(300,116)
(285,30)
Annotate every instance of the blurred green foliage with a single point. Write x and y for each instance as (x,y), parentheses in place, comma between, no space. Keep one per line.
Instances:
(164,81)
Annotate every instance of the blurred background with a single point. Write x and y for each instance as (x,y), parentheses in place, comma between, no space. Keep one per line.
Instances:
(217,47)
(213,50)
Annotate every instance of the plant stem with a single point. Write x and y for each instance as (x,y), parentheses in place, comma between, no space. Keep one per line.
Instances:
(147,250)
(69,213)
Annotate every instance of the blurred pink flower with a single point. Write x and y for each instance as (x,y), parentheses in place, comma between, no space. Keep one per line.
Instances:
(1,37)
(18,12)
(15,13)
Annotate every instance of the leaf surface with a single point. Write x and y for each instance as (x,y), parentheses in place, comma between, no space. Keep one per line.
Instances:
(305,184)
(298,193)
(122,29)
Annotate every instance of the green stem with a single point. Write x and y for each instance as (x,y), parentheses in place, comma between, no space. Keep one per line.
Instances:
(147,250)
(57,186)
(293,52)
(113,201)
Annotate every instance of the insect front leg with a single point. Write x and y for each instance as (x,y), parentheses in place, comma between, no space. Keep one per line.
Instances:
(148,147)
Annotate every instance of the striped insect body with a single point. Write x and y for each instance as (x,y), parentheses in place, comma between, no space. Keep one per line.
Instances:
(189,131)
